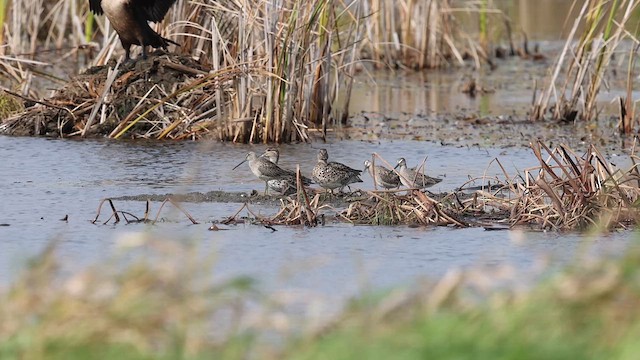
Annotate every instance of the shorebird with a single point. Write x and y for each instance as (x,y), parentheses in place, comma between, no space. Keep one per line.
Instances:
(272,154)
(267,171)
(333,175)
(284,186)
(384,177)
(130,19)
(413,179)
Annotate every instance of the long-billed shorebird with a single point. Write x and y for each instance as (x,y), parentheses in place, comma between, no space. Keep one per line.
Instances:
(283,186)
(267,171)
(413,179)
(333,175)
(384,177)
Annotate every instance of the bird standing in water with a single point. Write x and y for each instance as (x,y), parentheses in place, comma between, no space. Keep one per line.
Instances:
(333,175)
(413,179)
(384,177)
(286,185)
(130,19)
(268,171)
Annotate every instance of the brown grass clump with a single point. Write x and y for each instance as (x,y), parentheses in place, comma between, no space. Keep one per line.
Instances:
(569,192)
(387,208)
(299,210)
(272,72)
(165,96)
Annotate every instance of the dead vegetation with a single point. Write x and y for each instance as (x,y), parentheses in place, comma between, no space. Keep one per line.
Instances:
(388,208)
(129,217)
(272,72)
(583,67)
(429,33)
(566,191)
(569,192)
(251,71)
(165,96)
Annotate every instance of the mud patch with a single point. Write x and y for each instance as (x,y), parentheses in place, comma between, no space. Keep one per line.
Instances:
(469,129)
(253,197)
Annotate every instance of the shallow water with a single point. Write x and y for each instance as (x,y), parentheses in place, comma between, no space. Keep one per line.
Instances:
(43,180)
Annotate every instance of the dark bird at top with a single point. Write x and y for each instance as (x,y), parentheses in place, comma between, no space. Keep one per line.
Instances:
(130,19)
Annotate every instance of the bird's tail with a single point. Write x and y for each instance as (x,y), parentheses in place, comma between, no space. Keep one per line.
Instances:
(154,39)
(166,42)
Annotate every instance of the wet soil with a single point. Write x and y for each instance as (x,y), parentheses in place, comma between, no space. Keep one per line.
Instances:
(253,197)
(471,130)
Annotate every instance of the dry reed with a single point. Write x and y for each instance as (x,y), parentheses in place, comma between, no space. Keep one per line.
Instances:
(387,208)
(565,192)
(585,61)
(290,60)
(568,192)
(283,65)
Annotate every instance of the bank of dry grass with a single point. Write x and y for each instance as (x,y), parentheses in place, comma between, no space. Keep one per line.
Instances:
(275,71)
(291,63)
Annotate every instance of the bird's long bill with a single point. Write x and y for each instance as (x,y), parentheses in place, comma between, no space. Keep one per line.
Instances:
(395,167)
(243,161)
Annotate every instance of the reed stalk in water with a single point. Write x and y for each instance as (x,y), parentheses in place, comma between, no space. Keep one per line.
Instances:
(585,64)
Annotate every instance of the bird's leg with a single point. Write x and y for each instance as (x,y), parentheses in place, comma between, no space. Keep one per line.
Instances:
(266,187)
(144,52)
(127,52)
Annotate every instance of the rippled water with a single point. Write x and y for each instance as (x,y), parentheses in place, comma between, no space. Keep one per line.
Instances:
(42,180)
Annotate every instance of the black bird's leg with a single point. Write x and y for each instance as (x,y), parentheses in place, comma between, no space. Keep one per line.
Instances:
(127,52)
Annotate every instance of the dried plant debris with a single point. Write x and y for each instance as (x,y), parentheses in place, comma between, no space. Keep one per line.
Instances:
(387,208)
(164,96)
(131,218)
(565,192)
(569,192)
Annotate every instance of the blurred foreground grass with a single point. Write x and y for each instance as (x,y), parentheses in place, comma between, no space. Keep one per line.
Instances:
(170,306)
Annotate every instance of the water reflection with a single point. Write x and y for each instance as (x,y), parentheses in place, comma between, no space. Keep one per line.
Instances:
(509,90)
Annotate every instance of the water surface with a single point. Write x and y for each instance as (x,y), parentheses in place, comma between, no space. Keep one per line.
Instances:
(44,180)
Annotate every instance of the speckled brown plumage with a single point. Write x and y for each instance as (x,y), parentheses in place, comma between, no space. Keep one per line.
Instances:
(333,175)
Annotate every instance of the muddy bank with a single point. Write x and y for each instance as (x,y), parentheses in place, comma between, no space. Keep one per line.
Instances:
(466,129)
(253,197)
(139,86)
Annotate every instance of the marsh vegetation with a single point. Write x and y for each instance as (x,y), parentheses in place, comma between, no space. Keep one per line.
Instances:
(253,71)
(246,71)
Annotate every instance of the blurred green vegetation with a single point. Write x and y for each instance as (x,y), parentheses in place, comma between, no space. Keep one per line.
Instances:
(171,307)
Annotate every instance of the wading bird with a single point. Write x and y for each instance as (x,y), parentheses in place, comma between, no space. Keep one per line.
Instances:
(285,185)
(384,177)
(130,19)
(333,175)
(413,179)
(267,171)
